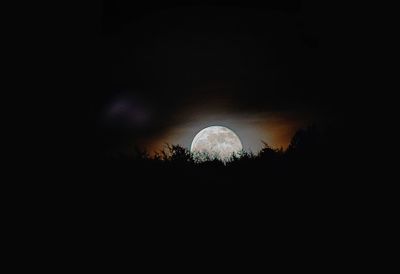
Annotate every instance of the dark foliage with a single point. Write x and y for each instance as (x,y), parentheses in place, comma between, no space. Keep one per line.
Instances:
(310,156)
(281,188)
(307,176)
(306,144)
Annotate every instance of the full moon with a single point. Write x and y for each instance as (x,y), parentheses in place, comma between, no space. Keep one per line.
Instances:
(216,141)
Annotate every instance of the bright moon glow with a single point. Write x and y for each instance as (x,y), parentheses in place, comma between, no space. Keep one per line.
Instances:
(216,141)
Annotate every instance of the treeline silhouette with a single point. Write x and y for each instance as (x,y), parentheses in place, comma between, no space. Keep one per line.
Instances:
(311,156)
(308,176)
(307,143)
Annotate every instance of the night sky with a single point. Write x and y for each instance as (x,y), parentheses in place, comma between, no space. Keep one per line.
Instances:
(129,75)
(162,72)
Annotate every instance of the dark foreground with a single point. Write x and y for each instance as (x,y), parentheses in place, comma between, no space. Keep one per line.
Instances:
(311,175)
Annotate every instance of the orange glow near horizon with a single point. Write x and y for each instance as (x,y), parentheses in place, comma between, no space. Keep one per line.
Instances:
(274,129)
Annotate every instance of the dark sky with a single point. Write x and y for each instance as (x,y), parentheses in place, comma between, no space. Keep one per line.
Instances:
(161,72)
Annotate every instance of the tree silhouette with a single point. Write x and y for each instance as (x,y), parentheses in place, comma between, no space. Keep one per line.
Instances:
(306,142)
(304,155)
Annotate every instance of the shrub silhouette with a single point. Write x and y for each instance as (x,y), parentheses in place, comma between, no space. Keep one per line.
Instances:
(176,154)
(268,153)
(270,179)
(307,155)
(305,143)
